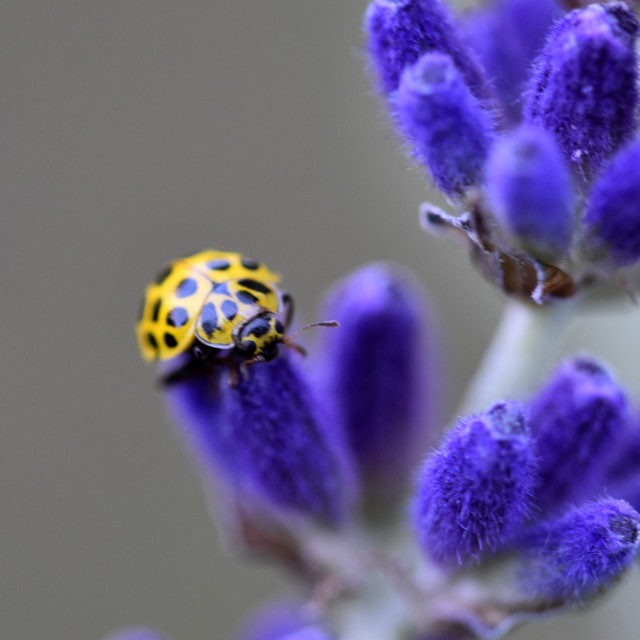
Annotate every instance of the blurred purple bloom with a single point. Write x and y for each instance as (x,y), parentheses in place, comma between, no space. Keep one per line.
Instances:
(400,31)
(506,36)
(577,554)
(476,489)
(529,191)
(135,633)
(612,215)
(267,435)
(379,370)
(583,87)
(576,419)
(282,621)
(446,126)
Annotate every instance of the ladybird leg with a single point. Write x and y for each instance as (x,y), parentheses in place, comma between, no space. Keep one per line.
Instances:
(287,301)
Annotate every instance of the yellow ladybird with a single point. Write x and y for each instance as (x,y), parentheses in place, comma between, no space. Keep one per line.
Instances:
(217,300)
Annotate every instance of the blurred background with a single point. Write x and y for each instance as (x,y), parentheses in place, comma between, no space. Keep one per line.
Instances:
(137,131)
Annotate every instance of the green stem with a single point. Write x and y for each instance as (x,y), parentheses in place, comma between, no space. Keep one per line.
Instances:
(521,352)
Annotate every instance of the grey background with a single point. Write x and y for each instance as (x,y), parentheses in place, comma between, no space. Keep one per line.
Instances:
(135,131)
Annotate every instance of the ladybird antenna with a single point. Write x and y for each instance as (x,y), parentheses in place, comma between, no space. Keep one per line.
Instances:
(323,323)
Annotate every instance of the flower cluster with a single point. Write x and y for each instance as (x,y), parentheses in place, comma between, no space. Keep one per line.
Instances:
(524,114)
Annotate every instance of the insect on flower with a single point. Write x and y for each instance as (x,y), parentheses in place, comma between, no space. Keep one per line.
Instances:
(223,307)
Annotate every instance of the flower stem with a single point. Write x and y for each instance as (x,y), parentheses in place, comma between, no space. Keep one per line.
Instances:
(519,355)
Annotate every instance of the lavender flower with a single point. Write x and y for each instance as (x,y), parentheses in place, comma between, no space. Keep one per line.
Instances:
(576,419)
(579,553)
(476,489)
(268,436)
(584,85)
(448,130)
(506,36)
(379,370)
(529,191)
(400,31)
(612,216)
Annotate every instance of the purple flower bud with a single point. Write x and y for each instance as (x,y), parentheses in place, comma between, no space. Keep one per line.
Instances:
(377,367)
(282,621)
(446,126)
(622,478)
(576,555)
(612,215)
(576,419)
(400,31)
(507,36)
(475,490)
(529,191)
(137,633)
(268,435)
(583,87)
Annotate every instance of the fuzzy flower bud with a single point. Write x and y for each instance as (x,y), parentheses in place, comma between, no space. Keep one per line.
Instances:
(377,367)
(576,419)
(581,552)
(449,131)
(583,87)
(612,215)
(268,436)
(400,31)
(475,490)
(506,36)
(529,191)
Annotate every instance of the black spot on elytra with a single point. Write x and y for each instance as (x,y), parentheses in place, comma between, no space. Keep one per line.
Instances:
(177,317)
(163,275)
(218,265)
(259,327)
(254,285)
(229,308)
(279,326)
(222,288)
(170,341)
(156,310)
(209,318)
(151,339)
(186,288)
(249,263)
(246,297)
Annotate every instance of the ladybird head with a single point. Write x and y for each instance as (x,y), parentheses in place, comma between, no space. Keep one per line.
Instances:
(259,337)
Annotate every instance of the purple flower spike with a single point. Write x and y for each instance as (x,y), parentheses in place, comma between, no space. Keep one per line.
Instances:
(400,31)
(529,190)
(576,420)
(506,37)
(286,451)
(613,211)
(449,131)
(267,436)
(475,490)
(137,633)
(576,555)
(377,368)
(583,87)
